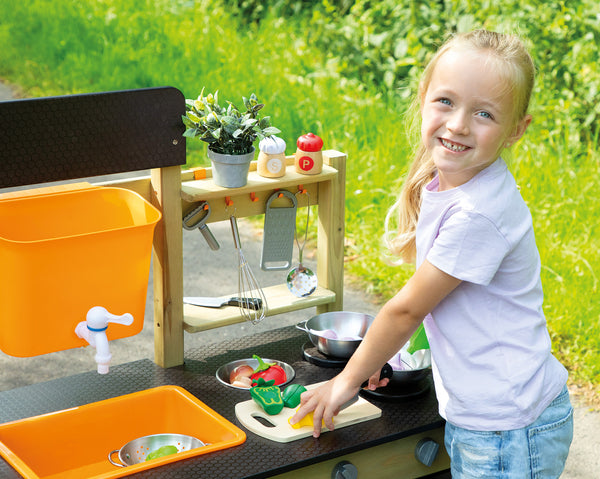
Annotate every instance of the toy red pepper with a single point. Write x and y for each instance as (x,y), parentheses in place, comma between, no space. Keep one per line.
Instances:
(268,371)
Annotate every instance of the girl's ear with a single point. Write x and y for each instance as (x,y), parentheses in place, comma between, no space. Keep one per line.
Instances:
(519,130)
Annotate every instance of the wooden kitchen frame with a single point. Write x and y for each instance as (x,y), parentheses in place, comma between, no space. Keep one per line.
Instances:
(79,136)
(175,192)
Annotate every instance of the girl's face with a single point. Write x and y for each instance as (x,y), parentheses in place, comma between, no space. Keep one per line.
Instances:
(467,117)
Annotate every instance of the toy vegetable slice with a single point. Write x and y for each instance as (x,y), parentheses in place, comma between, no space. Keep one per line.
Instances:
(161,452)
(268,396)
(291,395)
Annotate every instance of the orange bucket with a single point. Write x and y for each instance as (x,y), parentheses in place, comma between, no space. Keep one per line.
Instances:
(63,253)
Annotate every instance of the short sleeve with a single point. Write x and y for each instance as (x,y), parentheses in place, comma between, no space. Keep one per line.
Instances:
(469,247)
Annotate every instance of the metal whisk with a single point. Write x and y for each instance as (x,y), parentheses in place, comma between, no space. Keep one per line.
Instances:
(253,303)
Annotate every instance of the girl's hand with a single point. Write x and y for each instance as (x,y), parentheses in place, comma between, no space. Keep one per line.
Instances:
(375,381)
(324,402)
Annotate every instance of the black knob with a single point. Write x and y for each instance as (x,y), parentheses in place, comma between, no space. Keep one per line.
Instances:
(386,372)
(426,451)
(344,470)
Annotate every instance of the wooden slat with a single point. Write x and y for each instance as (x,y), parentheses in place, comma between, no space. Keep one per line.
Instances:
(46,190)
(206,189)
(168,269)
(331,231)
(279,300)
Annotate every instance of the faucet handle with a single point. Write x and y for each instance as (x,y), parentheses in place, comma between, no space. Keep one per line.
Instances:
(98,317)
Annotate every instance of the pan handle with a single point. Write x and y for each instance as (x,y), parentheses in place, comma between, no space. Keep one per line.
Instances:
(113,462)
(302,326)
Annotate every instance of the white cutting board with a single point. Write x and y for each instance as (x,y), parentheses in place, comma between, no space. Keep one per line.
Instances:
(247,412)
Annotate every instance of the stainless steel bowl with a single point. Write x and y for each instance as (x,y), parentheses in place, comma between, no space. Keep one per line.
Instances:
(136,451)
(224,371)
(344,324)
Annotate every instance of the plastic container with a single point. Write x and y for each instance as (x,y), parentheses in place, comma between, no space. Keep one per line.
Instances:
(63,253)
(74,443)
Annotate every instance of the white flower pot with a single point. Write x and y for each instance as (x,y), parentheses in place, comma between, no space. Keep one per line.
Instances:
(230,171)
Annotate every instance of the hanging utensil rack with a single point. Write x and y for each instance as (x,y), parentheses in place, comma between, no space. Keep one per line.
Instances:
(325,190)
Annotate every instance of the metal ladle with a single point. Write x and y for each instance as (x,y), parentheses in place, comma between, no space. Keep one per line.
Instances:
(302,281)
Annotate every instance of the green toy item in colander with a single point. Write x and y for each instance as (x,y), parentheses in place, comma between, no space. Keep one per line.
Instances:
(161,452)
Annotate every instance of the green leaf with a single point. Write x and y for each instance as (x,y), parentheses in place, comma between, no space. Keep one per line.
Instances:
(190,133)
(249,122)
(192,116)
(187,122)
(271,130)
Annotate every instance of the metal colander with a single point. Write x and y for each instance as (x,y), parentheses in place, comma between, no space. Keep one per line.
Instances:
(136,451)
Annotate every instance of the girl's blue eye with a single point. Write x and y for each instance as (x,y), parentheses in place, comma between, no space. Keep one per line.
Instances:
(485,114)
(445,101)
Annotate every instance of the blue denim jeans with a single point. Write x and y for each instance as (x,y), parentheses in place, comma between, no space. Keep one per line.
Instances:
(538,451)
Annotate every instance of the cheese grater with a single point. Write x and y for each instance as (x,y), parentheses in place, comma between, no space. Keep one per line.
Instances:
(278,238)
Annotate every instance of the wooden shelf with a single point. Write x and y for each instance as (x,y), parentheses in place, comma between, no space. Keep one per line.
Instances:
(206,189)
(250,200)
(279,300)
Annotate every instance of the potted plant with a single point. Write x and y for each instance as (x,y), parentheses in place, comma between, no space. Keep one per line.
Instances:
(230,134)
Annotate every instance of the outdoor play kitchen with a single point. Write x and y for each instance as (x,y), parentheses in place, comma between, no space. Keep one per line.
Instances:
(75,260)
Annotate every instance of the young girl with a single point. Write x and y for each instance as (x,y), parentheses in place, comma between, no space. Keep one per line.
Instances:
(477,285)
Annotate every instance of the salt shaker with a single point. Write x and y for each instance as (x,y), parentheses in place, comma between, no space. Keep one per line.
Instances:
(271,159)
(309,157)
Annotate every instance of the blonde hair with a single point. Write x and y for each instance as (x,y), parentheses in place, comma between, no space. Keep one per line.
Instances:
(515,68)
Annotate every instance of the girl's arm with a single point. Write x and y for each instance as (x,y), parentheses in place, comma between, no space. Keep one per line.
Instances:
(391,329)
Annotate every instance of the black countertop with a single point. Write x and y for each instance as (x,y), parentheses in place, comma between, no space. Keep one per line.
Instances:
(257,457)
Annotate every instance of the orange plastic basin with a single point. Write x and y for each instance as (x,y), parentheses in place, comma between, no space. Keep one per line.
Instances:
(64,253)
(75,443)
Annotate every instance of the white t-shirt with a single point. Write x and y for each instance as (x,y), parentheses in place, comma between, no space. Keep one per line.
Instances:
(491,353)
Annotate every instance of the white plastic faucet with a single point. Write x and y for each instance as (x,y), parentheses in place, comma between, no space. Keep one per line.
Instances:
(93,330)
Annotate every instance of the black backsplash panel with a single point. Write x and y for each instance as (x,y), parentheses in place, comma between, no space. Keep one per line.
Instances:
(76,136)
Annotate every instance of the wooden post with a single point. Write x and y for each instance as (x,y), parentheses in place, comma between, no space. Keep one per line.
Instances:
(330,244)
(168,268)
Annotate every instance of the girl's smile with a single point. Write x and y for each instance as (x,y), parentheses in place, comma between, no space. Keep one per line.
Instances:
(467,116)
(457,147)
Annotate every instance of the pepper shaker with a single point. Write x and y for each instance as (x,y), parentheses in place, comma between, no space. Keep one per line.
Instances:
(309,157)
